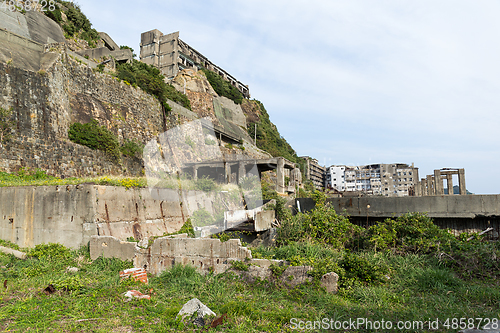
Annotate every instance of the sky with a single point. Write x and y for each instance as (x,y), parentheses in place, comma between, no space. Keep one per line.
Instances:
(350,82)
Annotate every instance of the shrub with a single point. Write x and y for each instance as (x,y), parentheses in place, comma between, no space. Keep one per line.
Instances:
(132,148)
(95,137)
(223,87)
(50,250)
(205,184)
(202,217)
(150,79)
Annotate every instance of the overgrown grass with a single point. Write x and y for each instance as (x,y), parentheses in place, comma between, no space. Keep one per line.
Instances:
(27,177)
(419,288)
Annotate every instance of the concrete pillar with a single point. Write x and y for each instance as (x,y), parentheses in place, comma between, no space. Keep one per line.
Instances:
(449,183)
(227,172)
(280,176)
(438,183)
(430,185)
(241,171)
(423,187)
(417,188)
(195,172)
(461,182)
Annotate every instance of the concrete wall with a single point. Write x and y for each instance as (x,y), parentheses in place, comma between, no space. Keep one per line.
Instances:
(203,253)
(71,214)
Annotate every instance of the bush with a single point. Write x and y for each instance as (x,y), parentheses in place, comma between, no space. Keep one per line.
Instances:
(202,217)
(223,87)
(150,79)
(132,148)
(95,137)
(50,250)
(205,184)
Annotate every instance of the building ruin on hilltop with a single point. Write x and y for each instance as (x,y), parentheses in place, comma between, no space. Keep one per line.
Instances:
(170,55)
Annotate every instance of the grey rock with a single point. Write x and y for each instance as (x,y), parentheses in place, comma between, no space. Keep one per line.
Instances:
(195,306)
(72,269)
(295,275)
(329,281)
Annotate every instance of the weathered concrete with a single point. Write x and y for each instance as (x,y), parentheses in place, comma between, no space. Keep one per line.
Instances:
(15,253)
(71,214)
(206,254)
(460,213)
(463,206)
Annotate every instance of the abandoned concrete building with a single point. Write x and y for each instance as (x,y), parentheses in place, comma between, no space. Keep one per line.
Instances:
(110,50)
(388,180)
(315,172)
(170,54)
(434,184)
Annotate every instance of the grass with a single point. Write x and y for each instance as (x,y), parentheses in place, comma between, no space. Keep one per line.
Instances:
(26,177)
(419,289)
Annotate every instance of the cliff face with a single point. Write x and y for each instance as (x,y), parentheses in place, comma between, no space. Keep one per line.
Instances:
(45,103)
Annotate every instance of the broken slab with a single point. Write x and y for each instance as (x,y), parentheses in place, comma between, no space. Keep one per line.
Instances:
(295,275)
(329,281)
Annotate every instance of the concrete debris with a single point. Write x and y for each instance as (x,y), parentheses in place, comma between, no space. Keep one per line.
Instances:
(131,294)
(329,281)
(138,274)
(195,306)
(15,253)
(72,269)
(295,275)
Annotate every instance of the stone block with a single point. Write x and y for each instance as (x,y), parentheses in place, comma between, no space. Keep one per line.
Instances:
(329,281)
(295,275)
(111,247)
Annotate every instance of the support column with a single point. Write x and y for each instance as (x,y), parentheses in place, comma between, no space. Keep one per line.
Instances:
(438,183)
(195,172)
(430,185)
(280,176)
(449,183)
(423,187)
(461,182)
(227,172)
(241,171)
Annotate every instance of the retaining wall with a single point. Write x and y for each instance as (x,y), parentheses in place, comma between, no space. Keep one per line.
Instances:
(70,215)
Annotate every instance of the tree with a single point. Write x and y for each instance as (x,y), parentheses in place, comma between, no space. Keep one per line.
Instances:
(5,125)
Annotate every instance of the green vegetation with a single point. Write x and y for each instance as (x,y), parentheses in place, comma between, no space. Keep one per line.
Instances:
(268,137)
(76,24)
(95,137)
(149,79)
(132,148)
(6,125)
(223,87)
(125,47)
(205,184)
(27,177)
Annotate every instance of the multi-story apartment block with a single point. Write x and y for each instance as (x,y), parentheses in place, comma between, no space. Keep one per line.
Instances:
(170,55)
(315,172)
(374,179)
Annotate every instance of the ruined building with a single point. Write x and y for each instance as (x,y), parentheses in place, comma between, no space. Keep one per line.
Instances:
(170,54)
(434,184)
(390,180)
(314,172)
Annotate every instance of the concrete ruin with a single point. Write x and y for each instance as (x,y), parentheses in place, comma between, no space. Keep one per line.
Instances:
(110,51)
(434,184)
(170,54)
(234,171)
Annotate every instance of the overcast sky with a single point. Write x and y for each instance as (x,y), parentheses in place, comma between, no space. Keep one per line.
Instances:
(351,82)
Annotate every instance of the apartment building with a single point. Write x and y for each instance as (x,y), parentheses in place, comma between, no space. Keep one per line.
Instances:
(315,172)
(170,54)
(375,179)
